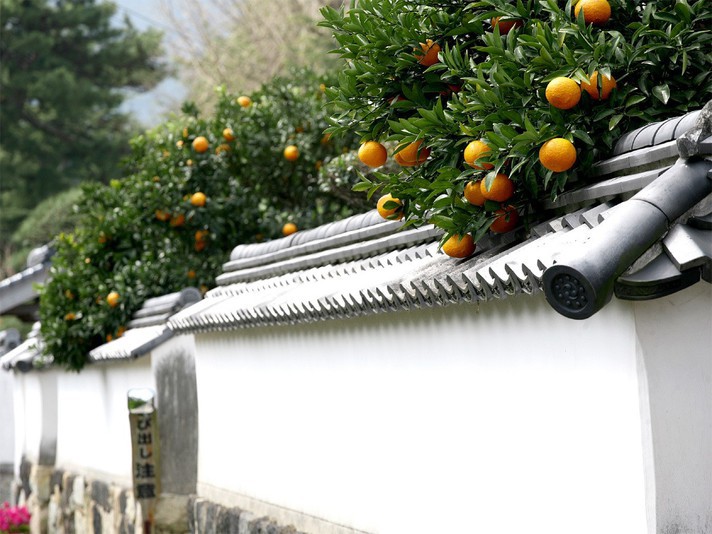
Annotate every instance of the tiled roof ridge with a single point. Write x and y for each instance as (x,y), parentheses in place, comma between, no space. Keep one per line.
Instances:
(583,280)
(342,252)
(340,283)
(303,237)
(147,329)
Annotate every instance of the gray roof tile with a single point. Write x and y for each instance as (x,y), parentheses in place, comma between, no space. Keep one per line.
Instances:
(364,265)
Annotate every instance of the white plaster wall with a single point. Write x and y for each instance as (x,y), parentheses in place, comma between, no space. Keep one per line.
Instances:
(513,419)
(94,433)
(35,402)
(675,342)
(7,419)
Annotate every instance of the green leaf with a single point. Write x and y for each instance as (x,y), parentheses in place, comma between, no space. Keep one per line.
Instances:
(662,93)
(614,121)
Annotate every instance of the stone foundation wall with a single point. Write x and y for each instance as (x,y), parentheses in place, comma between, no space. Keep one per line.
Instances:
(206,516)
(67,503)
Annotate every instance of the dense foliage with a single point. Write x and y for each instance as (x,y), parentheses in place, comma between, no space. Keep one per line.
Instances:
(197,187)
(488,83)
(65,68)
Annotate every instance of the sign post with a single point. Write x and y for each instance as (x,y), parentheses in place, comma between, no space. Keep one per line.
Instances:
(144,452)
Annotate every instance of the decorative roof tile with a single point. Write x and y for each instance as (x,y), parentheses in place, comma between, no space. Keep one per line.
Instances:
(147,329)
(363,265)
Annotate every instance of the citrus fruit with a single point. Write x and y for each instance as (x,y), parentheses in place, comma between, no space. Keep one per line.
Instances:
(291,153)
(476,150)
(228,134)
(429,56)
(506,220)
(112,299)
(120,331)
(501,189)
(162,215)
(200,144)
(70,316)
(594,11)
(201,235)
(395,214)
(191,274)
(244,101)
(412,154)
(198,199)
(289,228)
(505,25)
(591,87)
(557,154)
(372,153)
(563,93)
(459,246)
(473,193)
(177,220)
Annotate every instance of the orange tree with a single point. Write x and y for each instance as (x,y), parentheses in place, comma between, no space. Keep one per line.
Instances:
(196,187)
(483,86)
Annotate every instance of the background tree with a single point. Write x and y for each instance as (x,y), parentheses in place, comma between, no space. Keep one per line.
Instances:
(244,43)
(65,68)
(199,186)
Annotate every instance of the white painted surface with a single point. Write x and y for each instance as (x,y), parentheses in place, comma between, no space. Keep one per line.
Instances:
(94,432)
(514,419)
(7,419)
(35,402)
(675,335)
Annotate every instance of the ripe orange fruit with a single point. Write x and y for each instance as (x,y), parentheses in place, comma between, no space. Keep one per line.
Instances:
(198,199)
(429,56)
(70,316)
(507,220)
(177,220)
(162,216)
(473,193)
(109,337)
(459,246)
(201,235)
(222,148)
(289,228)
(591,87)
(372,153)
(394,214)
(563,93)
(191,274)
(112,299)
(291,153)
(501,189)
(505,25)
(228,134)
(412,154)
(476,150)
(244,101)
(594,11)
(557,154)
(120,331)
(200,144)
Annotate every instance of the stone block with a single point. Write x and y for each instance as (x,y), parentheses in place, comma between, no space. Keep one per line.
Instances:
(171,513)
(77,497)
(99,493)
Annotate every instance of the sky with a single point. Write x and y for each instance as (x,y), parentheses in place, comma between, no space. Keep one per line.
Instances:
(149,107)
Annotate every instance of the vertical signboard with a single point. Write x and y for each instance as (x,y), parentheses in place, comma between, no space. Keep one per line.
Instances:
(144,452)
